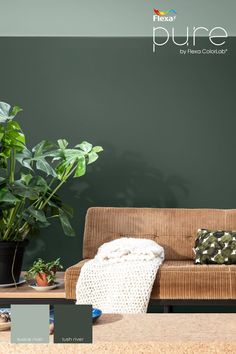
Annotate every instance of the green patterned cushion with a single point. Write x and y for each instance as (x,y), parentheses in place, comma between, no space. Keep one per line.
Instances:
(215,247)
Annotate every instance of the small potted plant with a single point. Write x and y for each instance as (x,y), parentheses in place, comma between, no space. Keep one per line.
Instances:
(44,273)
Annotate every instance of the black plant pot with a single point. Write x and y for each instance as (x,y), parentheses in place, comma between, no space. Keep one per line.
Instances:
(11,257)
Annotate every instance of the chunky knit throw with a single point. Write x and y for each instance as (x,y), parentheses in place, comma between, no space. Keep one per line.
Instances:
(120,277)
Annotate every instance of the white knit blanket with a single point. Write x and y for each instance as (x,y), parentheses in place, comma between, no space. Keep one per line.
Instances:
(120,277)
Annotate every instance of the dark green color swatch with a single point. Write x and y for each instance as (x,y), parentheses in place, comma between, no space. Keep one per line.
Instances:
(73,324)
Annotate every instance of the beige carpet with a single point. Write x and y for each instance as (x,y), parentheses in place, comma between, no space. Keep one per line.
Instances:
(151,333)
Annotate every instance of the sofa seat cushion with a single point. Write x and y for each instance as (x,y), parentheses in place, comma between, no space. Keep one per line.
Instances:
(186,280)
(179,280)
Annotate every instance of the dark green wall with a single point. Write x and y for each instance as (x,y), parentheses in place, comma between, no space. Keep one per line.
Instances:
(166,122)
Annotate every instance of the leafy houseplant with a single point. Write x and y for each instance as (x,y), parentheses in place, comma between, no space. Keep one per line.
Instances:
(29,182)
(44,273)
(55,266)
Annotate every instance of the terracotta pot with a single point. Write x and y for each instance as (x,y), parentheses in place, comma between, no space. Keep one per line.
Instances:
(41,279)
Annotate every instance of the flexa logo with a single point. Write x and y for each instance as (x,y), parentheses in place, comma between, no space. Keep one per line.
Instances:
(163,34)
(165,15)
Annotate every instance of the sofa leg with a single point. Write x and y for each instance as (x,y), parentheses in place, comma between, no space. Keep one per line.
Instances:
(167,309)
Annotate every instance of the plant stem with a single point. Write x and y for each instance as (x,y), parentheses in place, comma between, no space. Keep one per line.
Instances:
(58,186)
(17,225)
(39,203)
(36,204)
(12,166)
(67,175)
(13,211)
(12,216)
(53,192)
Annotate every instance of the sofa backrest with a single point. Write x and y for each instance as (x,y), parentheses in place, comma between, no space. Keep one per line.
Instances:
(174,229)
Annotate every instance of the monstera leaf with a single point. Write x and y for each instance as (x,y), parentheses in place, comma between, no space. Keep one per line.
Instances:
(25,158)
(76,158)
(12,141)
(5,114)
(41,151)
(65,223)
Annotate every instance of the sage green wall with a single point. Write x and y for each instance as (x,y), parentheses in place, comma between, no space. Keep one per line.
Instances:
(166,122)
(109,18)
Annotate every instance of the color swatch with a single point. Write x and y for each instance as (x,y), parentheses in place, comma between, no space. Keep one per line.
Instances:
(30,323)
(73,324)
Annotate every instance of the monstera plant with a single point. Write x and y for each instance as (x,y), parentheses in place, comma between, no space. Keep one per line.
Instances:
(29,183)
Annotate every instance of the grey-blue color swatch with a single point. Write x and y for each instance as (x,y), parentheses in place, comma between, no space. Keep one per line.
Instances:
(30,324)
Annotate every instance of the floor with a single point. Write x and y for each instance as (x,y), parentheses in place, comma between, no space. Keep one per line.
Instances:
(150,333)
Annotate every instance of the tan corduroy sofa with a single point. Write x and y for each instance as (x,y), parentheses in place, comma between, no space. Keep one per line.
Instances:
(174,229)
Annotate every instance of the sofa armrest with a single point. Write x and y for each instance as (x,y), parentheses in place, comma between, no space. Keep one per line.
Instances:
(71,276)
